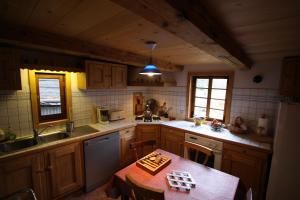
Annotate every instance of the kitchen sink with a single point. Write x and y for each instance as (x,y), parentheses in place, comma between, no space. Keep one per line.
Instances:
(17,145)
(30,142)
(53,137)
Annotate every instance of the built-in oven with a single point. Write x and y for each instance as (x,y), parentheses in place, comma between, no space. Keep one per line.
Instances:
(216,160)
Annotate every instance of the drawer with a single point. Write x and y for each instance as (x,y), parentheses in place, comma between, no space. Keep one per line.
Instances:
(245,150)
(175,132)
(127,131)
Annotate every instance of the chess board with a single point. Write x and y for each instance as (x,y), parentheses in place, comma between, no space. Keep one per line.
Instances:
(181,180)
(153,162)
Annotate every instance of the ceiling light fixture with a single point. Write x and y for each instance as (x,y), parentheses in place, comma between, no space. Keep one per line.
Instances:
(150,69)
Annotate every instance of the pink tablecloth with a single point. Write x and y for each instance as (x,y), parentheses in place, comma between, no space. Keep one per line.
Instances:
(210,183)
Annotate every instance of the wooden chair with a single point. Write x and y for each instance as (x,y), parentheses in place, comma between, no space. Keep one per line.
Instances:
(142,192)
(139,146)
(188,146)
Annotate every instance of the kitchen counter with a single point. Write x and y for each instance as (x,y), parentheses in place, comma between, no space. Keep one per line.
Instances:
(224,135)
(204,130)
(95,130)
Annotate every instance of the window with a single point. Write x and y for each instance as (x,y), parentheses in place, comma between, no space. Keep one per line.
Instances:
(209,95)
(50,97)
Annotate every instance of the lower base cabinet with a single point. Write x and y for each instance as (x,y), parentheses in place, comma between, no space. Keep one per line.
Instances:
(148,132)
(51,174)
(65,167)
(24,172)
(127,155)
(172,140)
(247,164)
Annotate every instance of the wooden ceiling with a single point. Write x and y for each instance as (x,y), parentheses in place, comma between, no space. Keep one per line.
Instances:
(267,29)
(101,22)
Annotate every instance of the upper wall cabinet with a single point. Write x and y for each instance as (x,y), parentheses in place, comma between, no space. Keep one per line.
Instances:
(290,77)
(10,78)
(100,75)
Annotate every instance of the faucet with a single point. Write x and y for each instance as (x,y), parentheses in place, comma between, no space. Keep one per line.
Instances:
(36,132)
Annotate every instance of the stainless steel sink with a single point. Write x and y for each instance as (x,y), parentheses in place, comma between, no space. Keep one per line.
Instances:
(53,137)
(29,142)
(17,145)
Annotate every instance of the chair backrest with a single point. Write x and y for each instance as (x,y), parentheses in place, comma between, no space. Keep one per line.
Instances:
(142,192)
(249,194)
(197,148)
(139,146)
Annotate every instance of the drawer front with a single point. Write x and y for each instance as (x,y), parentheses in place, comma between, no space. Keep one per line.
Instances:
(124,132)
(175,132)
(245,151)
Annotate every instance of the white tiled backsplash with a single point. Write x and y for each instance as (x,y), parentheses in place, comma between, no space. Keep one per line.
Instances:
(251,104)
(15,107)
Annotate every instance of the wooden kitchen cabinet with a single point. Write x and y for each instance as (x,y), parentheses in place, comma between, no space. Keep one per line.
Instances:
(100,75)
(10,77)
(290,77)
(65,166)
(119,76)
(148,132)
(172,140)
(127,136)
(247,164)
(24,172)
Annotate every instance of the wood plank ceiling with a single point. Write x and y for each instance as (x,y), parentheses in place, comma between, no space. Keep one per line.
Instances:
(101,22)
(266,29)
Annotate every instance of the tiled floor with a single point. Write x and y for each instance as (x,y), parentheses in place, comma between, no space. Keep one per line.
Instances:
(97,194)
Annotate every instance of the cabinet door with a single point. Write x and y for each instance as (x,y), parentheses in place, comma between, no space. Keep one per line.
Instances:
(98,75)
(127,137)
(10,77)
(290,77)
(119,76)
(20,173)
(65,166)
(172,140)
(148,132)
(251,169)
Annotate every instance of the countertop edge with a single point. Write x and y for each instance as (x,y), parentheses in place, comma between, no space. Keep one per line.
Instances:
(118,127)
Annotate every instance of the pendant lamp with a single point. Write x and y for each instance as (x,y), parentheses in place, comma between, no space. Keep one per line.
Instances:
(150,69)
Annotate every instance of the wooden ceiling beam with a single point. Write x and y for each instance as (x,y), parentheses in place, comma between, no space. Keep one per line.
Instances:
(190,21)
(35,39)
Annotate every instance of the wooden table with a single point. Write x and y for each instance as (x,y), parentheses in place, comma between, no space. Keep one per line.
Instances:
(211,184)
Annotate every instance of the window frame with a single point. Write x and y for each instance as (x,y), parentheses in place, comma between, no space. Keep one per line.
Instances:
(61,78)
(191,88)
(59,119)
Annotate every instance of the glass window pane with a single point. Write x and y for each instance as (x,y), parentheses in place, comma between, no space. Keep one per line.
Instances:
(218,94)
(217,104)
(200,102)
(199,112)
(202,82)
(219,83)
(201,92)
(50,101)
(216,114)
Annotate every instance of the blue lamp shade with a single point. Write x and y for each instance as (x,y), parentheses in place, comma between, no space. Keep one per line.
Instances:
(150,70)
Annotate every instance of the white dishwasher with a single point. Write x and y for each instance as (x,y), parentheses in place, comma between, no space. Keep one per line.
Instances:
(101,159)
(216,146)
